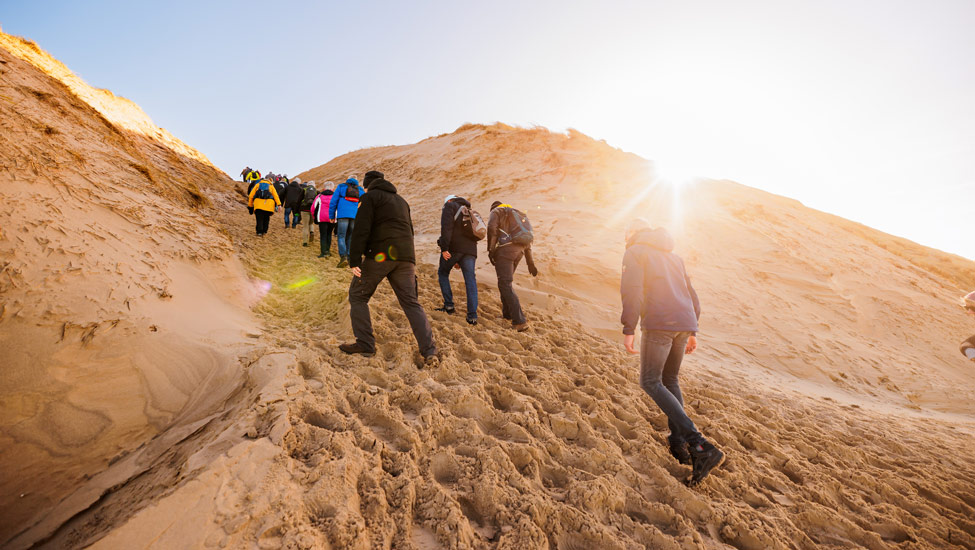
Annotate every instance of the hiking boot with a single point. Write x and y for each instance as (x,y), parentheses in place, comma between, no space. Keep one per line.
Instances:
(678,449)
(472,321)
(704,458)
(322,255)
(304,244)
(431,361)
(355,348)
(343,261)
(447,310)
(520,328)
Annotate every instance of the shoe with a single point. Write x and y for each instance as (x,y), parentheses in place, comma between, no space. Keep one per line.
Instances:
(322,255)
(678,449)
(304,244)
(431,360)
(704,458)
(520,328)
(286,226)
(472,321)
(343,262)
(354,348)
(447,310)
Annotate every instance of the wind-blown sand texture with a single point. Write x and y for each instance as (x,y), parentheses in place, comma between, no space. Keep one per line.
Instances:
(829,370)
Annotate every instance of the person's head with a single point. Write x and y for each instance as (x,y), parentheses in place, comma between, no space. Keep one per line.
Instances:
(496,204)
(968,302)
(635,226)
(449,197)
(352,181)
(371,176)
(328,186)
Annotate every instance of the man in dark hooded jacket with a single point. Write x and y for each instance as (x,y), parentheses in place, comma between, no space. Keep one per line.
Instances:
(656,289)
(292,202)
(506,255)
(456,248)
(383,233)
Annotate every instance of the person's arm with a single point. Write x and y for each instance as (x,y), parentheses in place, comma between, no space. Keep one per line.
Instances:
(250,197)
(316,205)
(446,228)
(690,288)
(492,233)
(530,261)
(360,233)
(274,193)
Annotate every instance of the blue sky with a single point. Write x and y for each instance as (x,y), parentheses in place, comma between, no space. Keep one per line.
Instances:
(860,108)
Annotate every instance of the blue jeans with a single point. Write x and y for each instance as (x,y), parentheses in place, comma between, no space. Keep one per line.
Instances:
(295,216)
(466,262)
(343,228)
(661,353)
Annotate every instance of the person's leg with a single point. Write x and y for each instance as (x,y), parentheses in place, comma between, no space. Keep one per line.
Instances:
(506,260)
(329,230)
(467,266)
(403,280)
(257,221)
(443,276)
(348,235)
(323,249)
(295,218)
(265,221)
(655,352)
(343,228)
(361,290)
(287,217)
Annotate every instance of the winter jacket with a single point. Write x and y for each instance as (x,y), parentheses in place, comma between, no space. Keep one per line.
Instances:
(655,286)
(383,226)
(293,196)
(452,237)
(281,188)
(340,207)
(263,204)
(497,223)
(319,208)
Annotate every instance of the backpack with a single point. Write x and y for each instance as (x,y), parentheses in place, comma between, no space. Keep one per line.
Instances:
(310,194)
(264,191)
(471,222)
(518,229)
(351,193)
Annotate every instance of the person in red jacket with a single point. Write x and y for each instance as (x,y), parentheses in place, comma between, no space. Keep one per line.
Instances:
(657,292)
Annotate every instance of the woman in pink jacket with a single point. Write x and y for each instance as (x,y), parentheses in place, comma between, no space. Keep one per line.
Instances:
(319,214)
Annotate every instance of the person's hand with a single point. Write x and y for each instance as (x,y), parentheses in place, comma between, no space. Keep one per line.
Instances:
(533,270)
(691,345)
(446,255)
(491,258)
(628,343)
(357,272)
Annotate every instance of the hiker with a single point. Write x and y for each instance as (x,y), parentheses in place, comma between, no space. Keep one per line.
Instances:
(657,292)
(244,172)
(326,226)
(509,236)
(383,234)
(292,201)
(264,200)
(458,246)
(252,176)
(308,229)
(342,208)
(968,346)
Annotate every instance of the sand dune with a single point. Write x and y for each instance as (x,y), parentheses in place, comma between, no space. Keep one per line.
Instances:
(169,381)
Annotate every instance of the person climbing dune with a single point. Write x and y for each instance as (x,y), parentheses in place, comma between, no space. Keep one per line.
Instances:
(326,226)
(657,292)
(264,200)
(342,208)
(459,233)
(509,239)
(968,346)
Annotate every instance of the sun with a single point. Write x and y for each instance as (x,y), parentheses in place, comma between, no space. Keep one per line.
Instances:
(674,172)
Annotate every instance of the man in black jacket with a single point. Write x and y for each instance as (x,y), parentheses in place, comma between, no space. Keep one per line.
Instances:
(383,233)
(456,248)
(292,202)
(505,256)
(656,289)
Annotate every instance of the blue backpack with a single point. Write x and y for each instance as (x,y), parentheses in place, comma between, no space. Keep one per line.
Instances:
(517,229)
(263,191)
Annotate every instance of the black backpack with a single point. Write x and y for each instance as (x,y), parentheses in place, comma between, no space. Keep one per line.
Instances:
(517,229)
(352,193)
(310,194)
(263,192)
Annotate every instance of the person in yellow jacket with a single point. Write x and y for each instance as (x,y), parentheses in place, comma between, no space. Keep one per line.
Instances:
(263,198)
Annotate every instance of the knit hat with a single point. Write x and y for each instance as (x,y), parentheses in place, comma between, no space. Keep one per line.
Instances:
(445,201)
(371,176)
(496,204)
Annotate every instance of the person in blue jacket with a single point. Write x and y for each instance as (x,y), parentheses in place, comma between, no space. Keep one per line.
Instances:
(342,209)
(657,292)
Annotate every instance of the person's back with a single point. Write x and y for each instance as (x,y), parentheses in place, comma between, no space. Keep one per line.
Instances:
(387,227)
(457,248)
(668,300)
(343,208)
(294,195)
(505,251)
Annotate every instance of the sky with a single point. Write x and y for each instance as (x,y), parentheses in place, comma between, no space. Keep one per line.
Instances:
(860,108)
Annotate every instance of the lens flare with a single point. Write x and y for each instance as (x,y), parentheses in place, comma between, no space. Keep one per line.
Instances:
(304,282)
(380,257)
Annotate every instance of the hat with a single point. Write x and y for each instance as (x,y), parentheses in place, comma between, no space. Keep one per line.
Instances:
(496,204)
(371,176)
(445,201)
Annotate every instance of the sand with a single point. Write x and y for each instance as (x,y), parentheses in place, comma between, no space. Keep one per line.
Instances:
(828,368)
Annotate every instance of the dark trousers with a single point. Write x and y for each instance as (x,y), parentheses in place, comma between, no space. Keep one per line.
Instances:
(661,353)
(263,219)
(506,260)
(467,263)
(402,278)
(325,230)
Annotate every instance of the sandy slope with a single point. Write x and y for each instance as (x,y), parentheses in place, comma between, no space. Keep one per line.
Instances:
(144,408)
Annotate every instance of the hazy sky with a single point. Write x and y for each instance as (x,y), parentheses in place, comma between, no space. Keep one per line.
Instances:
(865,109)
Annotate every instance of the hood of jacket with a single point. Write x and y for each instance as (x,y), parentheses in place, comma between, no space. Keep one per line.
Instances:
(657,238)
(461,200)
(381,185)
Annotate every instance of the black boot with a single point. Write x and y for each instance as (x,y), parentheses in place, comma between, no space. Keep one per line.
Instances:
(356,349)
(678,449)
(704,458)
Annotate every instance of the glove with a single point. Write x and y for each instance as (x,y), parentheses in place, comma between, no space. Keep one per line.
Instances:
(533,270)
(250,210)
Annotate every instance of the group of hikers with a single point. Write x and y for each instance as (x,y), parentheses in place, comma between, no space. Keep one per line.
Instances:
(376,242)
